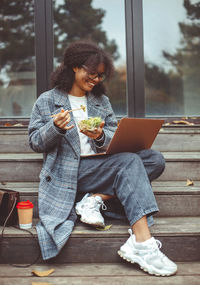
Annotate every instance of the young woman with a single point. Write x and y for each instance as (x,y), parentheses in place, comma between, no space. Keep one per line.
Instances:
(127,176)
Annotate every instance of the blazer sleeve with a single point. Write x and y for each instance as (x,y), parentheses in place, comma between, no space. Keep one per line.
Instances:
(43,134)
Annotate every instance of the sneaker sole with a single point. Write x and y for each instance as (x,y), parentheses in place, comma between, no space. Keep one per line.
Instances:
(121,254)
(86,222)
(92,224)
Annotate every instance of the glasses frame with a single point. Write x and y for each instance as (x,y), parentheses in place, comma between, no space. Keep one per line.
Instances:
(101,76)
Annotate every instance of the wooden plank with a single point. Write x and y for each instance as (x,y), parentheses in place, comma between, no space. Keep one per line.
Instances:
(99,250)
(26,167)
(164,226)
(177,142)
(169,156)
(14,143)
(16,140)
(180,239)
(180,170)
(159,187)
(178,205)
(118,280)
(21,156)
(93,269)
(169,205)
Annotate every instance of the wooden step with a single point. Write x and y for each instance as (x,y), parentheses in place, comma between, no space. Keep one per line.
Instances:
(180,237)
(184,138)
(174,197)
(178,139)
(98,274)
(26,166)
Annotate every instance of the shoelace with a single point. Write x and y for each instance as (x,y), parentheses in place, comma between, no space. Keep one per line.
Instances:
(95,204)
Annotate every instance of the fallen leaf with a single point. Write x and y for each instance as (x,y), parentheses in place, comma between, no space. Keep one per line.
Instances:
(105,228)
(189,182)
(183,122)
(18,125)
(43,273)
(7,125)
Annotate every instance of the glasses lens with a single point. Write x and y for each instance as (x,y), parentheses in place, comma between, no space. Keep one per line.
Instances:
(101,76)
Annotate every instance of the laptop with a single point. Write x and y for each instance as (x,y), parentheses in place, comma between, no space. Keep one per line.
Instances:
(133,135)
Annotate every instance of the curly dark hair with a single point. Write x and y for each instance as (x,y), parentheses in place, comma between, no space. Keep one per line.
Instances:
(77,54)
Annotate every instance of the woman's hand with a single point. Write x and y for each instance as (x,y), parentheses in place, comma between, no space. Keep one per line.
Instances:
(97,133)
(62,119)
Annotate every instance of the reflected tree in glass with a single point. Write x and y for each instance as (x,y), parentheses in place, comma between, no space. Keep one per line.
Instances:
(186,60)
(17,57)
(77,19)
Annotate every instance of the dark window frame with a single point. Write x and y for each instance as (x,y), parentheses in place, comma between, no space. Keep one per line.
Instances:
(43,44)
(135,58)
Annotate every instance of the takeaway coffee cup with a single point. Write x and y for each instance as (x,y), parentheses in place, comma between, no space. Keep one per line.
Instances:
(25,214)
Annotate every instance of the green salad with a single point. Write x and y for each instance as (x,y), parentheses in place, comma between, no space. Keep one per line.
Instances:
(90,124)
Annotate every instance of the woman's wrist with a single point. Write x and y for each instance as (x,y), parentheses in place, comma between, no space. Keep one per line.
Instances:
(101,137)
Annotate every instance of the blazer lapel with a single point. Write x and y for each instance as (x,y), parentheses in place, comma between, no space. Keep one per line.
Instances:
(92,106)
(95,109)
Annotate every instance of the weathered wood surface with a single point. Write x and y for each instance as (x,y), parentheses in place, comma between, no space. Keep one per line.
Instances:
(93,269)
(177,138)
(159,187)
(164,226)
(120,274)
(180,238)
(169,205)
(82,280)
(174,198)
(26,167)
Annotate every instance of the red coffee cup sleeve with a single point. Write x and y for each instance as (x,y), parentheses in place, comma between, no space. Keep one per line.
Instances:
(25,205)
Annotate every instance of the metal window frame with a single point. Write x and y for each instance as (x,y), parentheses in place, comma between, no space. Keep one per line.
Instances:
(135,58)
(44,48)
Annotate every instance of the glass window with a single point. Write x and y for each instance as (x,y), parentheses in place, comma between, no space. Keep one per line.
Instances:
(172,57)
(104,23)
(17,58)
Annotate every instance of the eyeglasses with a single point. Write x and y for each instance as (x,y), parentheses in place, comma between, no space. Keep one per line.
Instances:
(101,76)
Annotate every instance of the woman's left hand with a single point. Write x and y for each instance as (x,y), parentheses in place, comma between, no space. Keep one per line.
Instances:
(97,133)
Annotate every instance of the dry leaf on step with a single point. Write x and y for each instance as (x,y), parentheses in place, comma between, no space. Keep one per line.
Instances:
(105,228)
(189,182)
(43,273)
(183,122)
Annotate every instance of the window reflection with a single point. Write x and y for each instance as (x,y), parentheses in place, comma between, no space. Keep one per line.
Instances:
(98,21)
(17,58)
(172,57)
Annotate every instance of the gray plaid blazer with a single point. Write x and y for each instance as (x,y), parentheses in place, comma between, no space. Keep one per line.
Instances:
(61,152)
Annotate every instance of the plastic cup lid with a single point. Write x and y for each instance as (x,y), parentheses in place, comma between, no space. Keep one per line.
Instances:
(25,205)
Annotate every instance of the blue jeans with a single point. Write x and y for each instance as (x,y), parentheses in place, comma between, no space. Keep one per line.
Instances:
(126,175)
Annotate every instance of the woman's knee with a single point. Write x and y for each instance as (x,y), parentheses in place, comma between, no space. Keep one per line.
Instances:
(158,162)
(154,162)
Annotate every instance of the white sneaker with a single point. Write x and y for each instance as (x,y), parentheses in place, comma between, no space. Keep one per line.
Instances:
(148,255)
(89,210)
